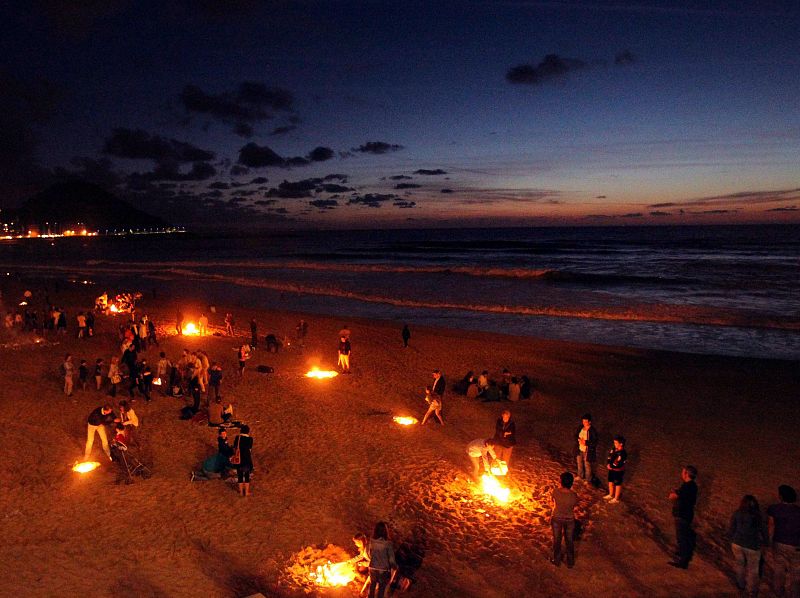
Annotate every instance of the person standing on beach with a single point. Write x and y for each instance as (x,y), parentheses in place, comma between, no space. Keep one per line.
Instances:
(406,334)
(202,324)
(96,423)
(244,444)
(381,561)
(748,533)
(505,436)
(114,376)
(98,373)
(434,407)
(344,354)
(480,451)
(179,321)
(69,372)
(253,333)
(244,355)
(617,457)
(83,374)
(683,500)
(81,324)
(784,524)
(562,520)
(586,448)
(229,324)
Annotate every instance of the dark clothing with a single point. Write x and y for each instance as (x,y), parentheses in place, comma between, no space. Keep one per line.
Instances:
(491,394)
(683,507)
(565,501)
(748,530)
(438,386)
(563,528)
(787,523)
(98,418)
(406,335)
(224,448)
(686,538)
(83,373)
(500,429)
(344,347)
(245,446)
(591,443)
(617,459)
(253,334)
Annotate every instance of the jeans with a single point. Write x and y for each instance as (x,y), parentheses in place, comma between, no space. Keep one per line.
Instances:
(747,561)
(685,536)
(378,582)
(477,467)
(565,528)
(101,430)
(504,453)
(787,563)
(584,466)
(68,385)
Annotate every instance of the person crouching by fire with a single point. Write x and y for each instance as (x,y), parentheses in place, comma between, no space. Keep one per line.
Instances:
(481,451)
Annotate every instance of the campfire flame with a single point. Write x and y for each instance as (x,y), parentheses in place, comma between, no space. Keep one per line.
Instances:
(113,308)
(500,468)
(190,329)
(491,487)
(334,574)
(85,467)
(405,420)
(319,374)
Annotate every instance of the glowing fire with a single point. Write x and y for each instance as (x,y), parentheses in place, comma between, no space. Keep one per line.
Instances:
(86,466)
(500,468)
(404,420)
(334,574)
(113,309)
(319,374)
(190,330)
(491,487)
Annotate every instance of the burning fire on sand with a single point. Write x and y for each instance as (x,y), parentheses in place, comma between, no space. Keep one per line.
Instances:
(85,467)
(404,420)
(491,486)
(333,574)
(190,329)
(319,374)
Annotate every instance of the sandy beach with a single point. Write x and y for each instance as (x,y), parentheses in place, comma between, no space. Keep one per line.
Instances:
(330,462)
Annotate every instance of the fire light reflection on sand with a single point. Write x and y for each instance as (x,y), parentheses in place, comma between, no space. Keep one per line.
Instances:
(405,420)
(319,374)
(85,467)
(490,486)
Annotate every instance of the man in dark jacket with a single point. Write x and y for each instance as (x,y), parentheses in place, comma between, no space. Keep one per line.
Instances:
(97,422)
(437,387)
(683,500)
(586,448)
(505,436)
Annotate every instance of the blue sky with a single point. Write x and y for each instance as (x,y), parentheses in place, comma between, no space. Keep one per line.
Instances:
(699,110)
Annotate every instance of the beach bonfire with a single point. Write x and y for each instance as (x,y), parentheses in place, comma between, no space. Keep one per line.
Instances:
(316,567)
(405,420)
(85,466)
(319,374)
(190,329)
(500,468)
(491,486)
(333,574)
(112,308)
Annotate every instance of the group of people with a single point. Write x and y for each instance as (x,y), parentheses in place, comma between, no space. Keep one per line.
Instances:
(483,387)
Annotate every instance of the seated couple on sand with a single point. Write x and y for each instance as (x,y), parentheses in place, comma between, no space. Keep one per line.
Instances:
(508,388)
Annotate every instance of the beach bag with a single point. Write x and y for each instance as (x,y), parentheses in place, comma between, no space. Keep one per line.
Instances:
(236,458)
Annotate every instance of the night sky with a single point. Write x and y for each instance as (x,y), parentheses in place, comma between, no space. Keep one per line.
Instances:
(351,114)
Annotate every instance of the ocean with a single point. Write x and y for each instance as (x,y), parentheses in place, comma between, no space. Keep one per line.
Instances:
(730,290)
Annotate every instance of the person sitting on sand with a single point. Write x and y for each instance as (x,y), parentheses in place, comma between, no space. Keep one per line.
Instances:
(273,344)
(227,413)
(481,451)
(505,436)
(483,381)
(492,393)
(362,558)
(513,390)
(434,406)
(344,354)
(382,562)
(617,457)
(472,389)
(215,409)
(217,464)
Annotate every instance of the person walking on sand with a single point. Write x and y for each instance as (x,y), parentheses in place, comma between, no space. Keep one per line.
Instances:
(562,519)
(481,452)
(244,355)
(586,448)
(748,533)
(434,407)
(244,444)
(683,500)
(381,561)
(202,324)
(784,524)
(438,385)
(505,436)
(344,354)
(69,372)
(406,334)
(96,423)
(83,374)
(253,333)
(229,324)
(617,457)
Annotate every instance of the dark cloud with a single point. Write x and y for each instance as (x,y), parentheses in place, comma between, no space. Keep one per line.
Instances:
(342,178)
(372,200)
(250,103)
(320,154)
(324,204)
(294,190)
(407,186)
(265,202)
(98,171)
(784,209)
(259,180)
(662,205)
(238,170)
(632,215)
(657,213)
(446,191)
(600,197)
(428,172)
(219,185)
(405,204)
(400,177)
(624,58)
(282,130)
(333,188)
(377,147)
(256,156)
(551,67)
(200,171)
(137,144)
(297,161)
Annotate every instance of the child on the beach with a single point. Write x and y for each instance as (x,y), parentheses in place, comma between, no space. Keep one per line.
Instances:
(83,373)
(434,406)
(617,457)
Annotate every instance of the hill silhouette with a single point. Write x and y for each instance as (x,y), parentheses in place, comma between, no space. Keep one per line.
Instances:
(66,204)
